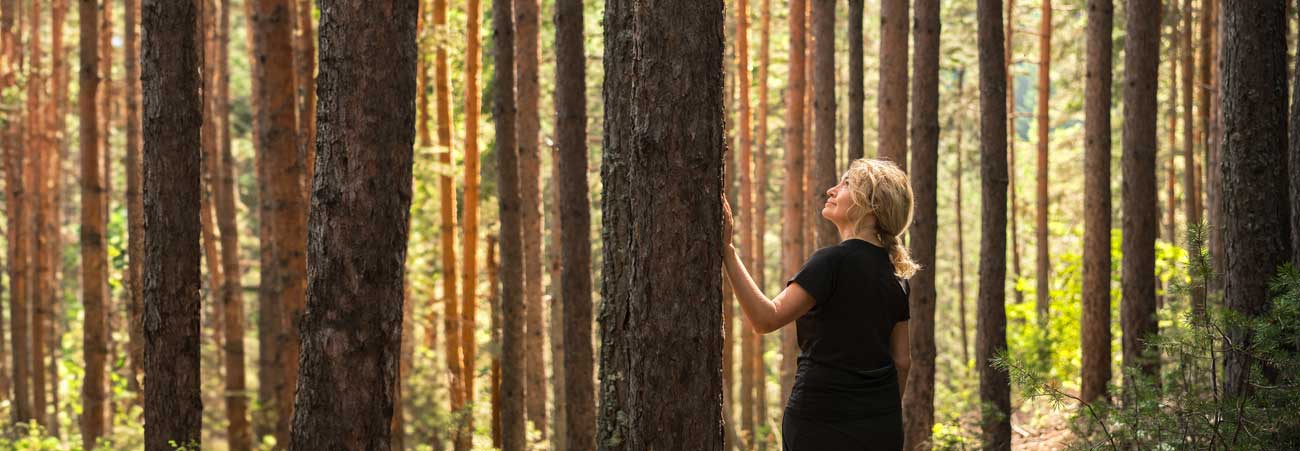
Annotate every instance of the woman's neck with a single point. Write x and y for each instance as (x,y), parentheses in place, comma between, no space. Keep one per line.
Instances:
(847,233)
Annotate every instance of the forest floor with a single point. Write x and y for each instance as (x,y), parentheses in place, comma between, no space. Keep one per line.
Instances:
(1037,425)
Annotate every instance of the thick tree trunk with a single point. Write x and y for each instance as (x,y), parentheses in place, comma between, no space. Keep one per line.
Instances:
(352,332)
(447,224)
(918,421)
(1096,320)
(513,306)
(172,116)
(1256,211)
(823,173)
(134,202)
(857,96)
(575,226)
(94,257)
(1042,242)
(1137,315)
(288,210)
(683,110)
(792,194)
(527,15)
(892,96)
(991,339)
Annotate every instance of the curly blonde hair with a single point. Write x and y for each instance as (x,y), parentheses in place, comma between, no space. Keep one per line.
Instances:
(880,187)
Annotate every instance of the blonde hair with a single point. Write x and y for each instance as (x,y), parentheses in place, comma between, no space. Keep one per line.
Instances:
(880,187)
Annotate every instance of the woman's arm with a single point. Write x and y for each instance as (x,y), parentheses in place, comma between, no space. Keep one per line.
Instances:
(901,351)
(765,315)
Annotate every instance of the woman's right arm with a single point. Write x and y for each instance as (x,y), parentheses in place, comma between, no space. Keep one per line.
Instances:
(765,315)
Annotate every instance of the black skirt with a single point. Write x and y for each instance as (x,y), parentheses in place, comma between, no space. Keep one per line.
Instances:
(832,408)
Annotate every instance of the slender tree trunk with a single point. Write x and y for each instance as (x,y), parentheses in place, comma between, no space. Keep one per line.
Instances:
(172,116)
(531,201)
(513,305)
(94,256)
(823,173)
(494,303)
(447,224)
(760,210)
(637,359)
(1010,62)
(38,147)
(892,96)
(961,245)
(1294,162)
(1192,201)
(811,196)
(469,277)
(575,225)
(1141,50)
(792,194)
(1171,202)
(1096,322)
(134,201)
(1042,241)
(1255,180)
(919,417)
(857,96)
(555,310)
(304,66)
(991,339)
(11,377)
(349,367)
(57,111)
(745,171)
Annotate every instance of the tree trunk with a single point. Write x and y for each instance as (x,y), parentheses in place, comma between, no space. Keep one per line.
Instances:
(1214,150)
(961,244)
(304,67)
(37,146)
(447,223)
(94,255)
(681,138)
(1096,320)
(919,417)
(892,97)
(494,304)
(760,211)
(287,213)
(1042,244)
(555,310)
(991,339)
(1294,162)
(857,96)
(531,201)
(469,277)
(14,377)
(172,117)
(1192,200)
(1009,51)
(745,215)
(1138,315)
(792,194)
(575,225)
(134,202)
(513,306)
(1256,212)
(352,332)
(823,173)
(57,114)
(1171,201)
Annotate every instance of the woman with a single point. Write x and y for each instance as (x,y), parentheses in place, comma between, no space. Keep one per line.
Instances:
(851,304)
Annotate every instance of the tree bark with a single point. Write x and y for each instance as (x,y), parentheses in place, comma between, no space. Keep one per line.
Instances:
(1137,315)
(991,339)
(1096,321)
(530,202)
(823,173)
(892,97)
(555,307)
(38,147)
(918,419)
(656,231)
(56,111)
(857,96)
(575,225)
(94,256)
(172,117)
(1042,241)
(469,277)
(494,304)
(1256,212)
(15,377)
(792,196)
(352,331)
(134,202)
(513,306)
(447,225)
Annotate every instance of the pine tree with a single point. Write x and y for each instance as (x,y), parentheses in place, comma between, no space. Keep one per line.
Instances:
(991,339)
(1141,52)
(1096,320)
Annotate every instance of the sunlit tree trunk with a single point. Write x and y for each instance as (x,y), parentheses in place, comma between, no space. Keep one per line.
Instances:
(447,225)
(38,147)
(792,194)
(745,213)
(469,251)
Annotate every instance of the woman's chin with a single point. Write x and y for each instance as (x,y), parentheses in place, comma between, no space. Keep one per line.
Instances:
(826,213)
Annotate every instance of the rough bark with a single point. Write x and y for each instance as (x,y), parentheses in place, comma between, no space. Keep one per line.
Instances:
(1042,244)
(513,306)
(857,96)
(991,339)
(172,116)
(272,42)
(823,165)
(353,329)
(526,38)
(1256,211)
(892,96)
(134,201)
(662,240)
(792,195)
(1141,53)
(94,256)
(447,224)
(575,226)
(1096,321)
(918,419)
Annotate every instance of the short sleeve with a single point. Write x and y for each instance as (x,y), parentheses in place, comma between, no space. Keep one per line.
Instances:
(817,276)
(907,300)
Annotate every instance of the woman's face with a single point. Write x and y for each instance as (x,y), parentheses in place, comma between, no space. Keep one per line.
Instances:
(839,199)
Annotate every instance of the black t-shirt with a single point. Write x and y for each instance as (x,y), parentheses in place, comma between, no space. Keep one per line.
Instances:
(858,302)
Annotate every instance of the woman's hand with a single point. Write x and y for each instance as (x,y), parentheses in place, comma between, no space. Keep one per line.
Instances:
(728,223)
